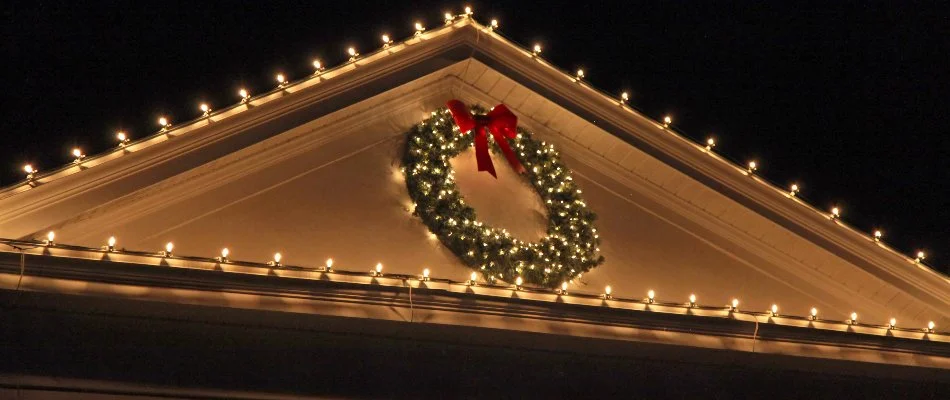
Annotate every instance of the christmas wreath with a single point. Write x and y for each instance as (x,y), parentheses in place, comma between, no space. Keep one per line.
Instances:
(571,245)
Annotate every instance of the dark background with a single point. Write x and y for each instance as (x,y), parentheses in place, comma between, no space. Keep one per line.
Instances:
(848,101)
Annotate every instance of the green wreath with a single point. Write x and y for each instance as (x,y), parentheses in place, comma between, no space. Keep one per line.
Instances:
(571,245)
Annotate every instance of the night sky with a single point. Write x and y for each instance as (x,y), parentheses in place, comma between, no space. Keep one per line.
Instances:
(851,103)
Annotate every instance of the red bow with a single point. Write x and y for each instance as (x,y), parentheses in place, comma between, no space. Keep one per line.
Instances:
(500,121)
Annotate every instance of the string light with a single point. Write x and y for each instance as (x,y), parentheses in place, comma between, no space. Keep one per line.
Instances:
(563,290)
(468,11)
(78,154)
(930,327)
(854,319)
(692,300)
(473,279)
(378,271)
(351,51)
(110,244)
(49,238)
(518,282)
(30,171)
(651,296)
(168,249)
(752,167)
(579,75)
(607,292)
(536,50)
(774,310)
(667,120)
(164,123)
(317,66)
(448,21)
(814,314)
(425,274)
(420,28)
(281,80)
(493,25)
(122,138)
(793,190)
(276,261)
(387,41)
(920,257)
(329,265)
(892,323)
(710,143)
(224,255)
(205,109)
(624,97)
(878,235)
(735,305)
(835,213)
(245,96)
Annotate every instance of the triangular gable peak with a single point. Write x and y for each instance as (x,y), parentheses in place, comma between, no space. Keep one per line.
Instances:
(305,169)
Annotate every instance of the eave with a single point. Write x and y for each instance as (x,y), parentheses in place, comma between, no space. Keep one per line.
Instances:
(116,278)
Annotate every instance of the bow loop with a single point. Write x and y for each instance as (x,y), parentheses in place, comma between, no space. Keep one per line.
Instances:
(500,122)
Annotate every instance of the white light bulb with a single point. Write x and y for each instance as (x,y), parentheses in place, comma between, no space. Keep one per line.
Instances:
(225,252)
(50,236)
(854,317)
(774,309)
(317,65)
(892,323)
(494,24)
(243,93)
(692,299)
(419,27)
(28,169)
(931,326)
(518,281)
(425,273)
(77,153)
(735,304)
(386,40)
(163,121)
(878,235)
(814,313)
(169,247)
(580,73)
(793,190)
(448,18)
(651,295)
(473,277)
(329,263)
(536,49)
(281,78)
(710,142)
(921,256)
(753,166)
(564,286)
(608,290)
(624,96)
(111,241)
(468,10)
(667,120)
(277,257)
(379,268)
(121,136)
(351,51)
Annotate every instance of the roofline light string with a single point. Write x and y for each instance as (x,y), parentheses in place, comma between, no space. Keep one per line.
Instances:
(33,178)
(650,302)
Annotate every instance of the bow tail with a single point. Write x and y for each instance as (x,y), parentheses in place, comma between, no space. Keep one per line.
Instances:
(508,152)
(481,152)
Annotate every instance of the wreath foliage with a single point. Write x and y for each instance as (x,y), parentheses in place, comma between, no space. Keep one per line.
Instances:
(571,245)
